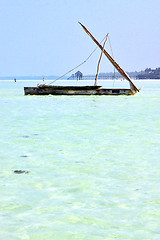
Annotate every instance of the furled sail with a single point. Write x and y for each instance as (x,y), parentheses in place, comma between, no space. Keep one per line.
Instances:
(119,69)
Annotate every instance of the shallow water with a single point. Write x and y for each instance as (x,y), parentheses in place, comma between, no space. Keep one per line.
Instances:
(93,162)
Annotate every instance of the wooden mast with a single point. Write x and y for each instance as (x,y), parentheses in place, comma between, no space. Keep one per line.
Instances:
(100,60)
(119,69)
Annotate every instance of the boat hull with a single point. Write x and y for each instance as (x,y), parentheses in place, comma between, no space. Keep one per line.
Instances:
(75,90)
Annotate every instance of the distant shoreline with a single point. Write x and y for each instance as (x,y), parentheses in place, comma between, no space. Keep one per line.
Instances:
(117,79)
(147,74)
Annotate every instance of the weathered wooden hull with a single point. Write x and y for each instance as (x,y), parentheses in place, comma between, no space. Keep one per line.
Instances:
(75,90)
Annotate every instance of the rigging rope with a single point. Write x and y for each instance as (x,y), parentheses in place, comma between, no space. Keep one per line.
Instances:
(110,46)
(79,64)
(113,57)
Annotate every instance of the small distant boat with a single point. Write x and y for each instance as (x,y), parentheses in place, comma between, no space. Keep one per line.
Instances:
(86,90)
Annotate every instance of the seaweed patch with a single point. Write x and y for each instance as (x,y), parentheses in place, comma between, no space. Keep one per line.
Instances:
(20,171)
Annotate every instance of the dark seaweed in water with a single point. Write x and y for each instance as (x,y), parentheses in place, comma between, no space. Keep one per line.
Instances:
(20,171)
(24,136)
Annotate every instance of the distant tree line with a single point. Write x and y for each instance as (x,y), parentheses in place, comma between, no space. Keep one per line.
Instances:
(148,73)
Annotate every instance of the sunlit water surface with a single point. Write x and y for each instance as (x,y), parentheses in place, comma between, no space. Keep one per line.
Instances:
(93,162)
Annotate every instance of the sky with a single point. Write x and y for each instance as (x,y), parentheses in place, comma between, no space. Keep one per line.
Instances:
(43,37)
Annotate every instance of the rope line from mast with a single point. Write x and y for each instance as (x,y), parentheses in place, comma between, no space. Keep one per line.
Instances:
(79,64)
(112,57)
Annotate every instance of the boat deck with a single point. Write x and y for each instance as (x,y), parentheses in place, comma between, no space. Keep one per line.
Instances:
(75,90)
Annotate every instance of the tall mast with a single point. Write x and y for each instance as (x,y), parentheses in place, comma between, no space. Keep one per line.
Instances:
(119,69)
(100,60)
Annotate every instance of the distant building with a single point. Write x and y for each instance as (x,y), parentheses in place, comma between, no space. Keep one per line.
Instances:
(78,75)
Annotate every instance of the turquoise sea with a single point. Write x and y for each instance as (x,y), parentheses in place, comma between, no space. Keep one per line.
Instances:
(93,162)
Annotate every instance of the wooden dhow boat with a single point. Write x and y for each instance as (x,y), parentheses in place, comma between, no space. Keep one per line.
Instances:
(86,90)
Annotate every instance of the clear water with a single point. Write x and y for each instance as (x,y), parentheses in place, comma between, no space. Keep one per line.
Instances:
(93,162)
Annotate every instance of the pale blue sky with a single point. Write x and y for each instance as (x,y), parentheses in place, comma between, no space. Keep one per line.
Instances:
(43,37)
